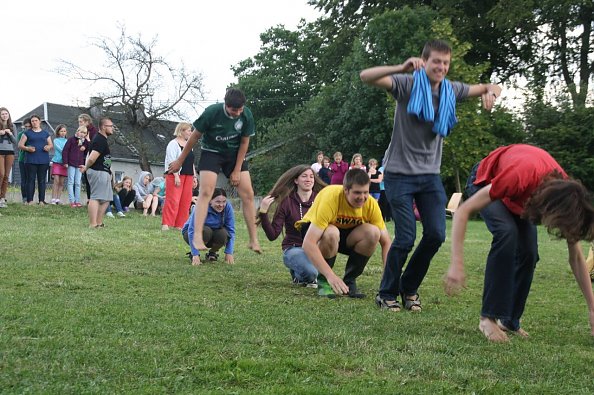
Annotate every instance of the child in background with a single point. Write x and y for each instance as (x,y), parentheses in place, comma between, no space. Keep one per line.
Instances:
(218,230)
(73,157)
(376,177)
(357,162)
(339,169)
(325,172)
(59,168)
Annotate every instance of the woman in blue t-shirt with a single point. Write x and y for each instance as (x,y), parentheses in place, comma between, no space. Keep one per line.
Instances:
(37,143)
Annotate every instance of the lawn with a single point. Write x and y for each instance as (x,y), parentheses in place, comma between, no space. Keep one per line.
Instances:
(121,310)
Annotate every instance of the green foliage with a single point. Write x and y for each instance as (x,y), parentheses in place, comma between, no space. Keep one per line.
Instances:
(120,310)
(567,136)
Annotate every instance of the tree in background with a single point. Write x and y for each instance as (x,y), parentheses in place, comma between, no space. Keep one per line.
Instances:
(137,82)
(348,116)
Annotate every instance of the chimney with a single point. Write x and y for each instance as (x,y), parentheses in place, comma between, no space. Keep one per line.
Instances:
(96,107)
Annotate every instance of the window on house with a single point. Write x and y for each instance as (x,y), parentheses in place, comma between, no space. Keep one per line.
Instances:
(118,176)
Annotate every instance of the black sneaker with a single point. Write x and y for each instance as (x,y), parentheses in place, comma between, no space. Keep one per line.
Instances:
(212,256)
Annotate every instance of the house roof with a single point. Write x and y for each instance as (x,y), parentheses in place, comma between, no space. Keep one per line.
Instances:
(124,145)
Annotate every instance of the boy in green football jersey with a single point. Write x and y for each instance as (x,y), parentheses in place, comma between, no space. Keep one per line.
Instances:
(224,130)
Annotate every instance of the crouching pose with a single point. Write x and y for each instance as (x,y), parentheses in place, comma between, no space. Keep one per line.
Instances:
(293,194)
(218,229)
(343,219)
(514,188)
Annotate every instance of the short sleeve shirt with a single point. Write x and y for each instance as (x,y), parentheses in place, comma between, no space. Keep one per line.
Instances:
(37,140)
(103,162)
(414,148)
(222,133)
(332,208)
(514,172)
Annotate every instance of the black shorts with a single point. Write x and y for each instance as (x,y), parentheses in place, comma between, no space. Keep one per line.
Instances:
(215,162)
(344,234)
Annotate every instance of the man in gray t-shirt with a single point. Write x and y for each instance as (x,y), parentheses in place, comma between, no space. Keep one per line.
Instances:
(412,163)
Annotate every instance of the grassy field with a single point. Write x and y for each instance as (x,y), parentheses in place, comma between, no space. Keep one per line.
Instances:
(120,310)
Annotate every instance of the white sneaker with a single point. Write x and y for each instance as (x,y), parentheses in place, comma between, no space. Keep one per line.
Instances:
(3,203)
(120,214)
(109,215)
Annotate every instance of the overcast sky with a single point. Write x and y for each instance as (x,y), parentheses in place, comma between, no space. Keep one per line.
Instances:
(209,36)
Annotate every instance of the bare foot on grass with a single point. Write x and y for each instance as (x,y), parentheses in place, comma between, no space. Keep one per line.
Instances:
(491,330)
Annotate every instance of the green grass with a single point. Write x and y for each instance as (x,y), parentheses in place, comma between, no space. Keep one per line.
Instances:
(121,310)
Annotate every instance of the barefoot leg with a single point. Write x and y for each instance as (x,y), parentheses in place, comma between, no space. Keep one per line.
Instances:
(491,330)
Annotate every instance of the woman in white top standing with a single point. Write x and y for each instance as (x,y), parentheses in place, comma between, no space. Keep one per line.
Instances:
(178,185)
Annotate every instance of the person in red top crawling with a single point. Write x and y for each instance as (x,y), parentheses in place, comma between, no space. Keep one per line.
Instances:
(514,188)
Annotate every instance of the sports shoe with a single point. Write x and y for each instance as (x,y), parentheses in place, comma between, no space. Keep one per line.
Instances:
(120,214)
(109,215)
(78,204)
(3,203)
(126,209)
(73,205)
(324,289)
(312,284)
(212,256)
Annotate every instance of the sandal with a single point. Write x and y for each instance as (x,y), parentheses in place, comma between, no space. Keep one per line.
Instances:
(387,304)
(412,304)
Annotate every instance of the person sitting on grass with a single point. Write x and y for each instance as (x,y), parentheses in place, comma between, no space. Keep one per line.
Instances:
(123,196)
(343,219)
(158,191)
(218,229)
(293,194)
(145,200)
(514,188)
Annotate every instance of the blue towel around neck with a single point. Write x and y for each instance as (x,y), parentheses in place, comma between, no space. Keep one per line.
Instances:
(421,103)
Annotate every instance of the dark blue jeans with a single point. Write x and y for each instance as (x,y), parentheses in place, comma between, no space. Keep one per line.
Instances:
(36,172)
(510,263)
(428,193)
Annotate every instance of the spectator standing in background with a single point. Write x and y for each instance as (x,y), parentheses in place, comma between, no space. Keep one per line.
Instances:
(37,143)
(22,169)
(178,184)
(8,144)
(339,169)
(59,167)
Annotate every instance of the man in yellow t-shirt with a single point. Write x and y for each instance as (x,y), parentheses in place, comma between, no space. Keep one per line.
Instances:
(343,219)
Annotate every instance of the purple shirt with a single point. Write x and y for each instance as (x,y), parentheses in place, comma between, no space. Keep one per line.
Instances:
(72,155)
(291,210)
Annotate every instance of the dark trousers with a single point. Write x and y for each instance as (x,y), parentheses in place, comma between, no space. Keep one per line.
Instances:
(39,172)
(428,193)
(23,171)
(126,197)
(510,263)
(213,238)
